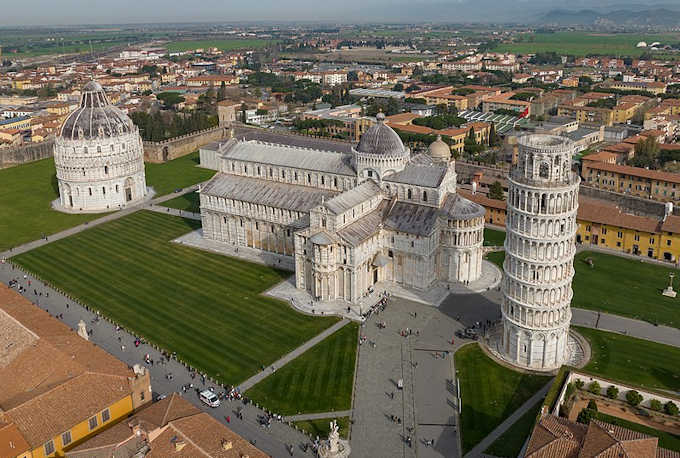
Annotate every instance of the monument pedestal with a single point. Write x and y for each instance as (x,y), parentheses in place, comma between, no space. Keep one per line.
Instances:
(334,447)
(668,291)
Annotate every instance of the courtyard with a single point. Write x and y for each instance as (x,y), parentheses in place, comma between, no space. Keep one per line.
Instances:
(205,307)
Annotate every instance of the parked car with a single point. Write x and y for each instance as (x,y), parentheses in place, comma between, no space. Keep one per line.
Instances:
(209,398)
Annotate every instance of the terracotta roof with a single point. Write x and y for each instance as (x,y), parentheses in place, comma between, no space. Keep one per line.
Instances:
(636,172)
(401,118)
(51,378)
(483,200)
(555,437)
(609,441)
(601,156)
(12,443)
(601,212)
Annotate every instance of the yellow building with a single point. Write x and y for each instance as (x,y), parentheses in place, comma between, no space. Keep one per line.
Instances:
(18,122)
(624,111)
(604,225)
(58,389)
(636,181)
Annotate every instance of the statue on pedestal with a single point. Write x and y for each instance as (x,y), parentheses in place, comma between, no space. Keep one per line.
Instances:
(82,330)
(668,291)
(334,447)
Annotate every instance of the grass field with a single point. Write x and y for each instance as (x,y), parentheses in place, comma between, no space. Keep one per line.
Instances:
(497,257)
(493,237)
(510,443)
(639,295)
(635,361)
(583,43)
(224,45)
(322,428)
(319,380)
(204,306)
(190,202)
(178,173)
(489,392)
(26,192)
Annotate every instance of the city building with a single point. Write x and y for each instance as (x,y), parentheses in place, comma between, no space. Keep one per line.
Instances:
(540,248)
(98,156)
(167,428)
(346,220)
(635,181)
(57,388)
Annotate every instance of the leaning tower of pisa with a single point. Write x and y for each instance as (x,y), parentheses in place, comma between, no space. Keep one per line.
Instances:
(538,268)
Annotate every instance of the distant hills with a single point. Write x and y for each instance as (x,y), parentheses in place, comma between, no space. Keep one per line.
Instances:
(620,17)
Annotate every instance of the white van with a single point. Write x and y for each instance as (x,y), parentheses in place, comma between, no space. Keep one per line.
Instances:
(209,398)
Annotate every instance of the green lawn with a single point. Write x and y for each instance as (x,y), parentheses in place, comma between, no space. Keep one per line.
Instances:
(175,174)
(666,440)
(493,237)
(189,202)
(26,192)
(634,361)
(319,380)
(204,306)
(224,45)
(510,443)
(497,257)
(322,428)
(584,43)
(489,392)
(639,292)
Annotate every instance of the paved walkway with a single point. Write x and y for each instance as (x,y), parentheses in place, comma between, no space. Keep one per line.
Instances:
(628,326)
(120,344)
(478,450)
(175,212)
(319,416)
(245,386)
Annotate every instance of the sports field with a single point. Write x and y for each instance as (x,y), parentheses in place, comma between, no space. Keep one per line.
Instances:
(224,45)
(204,306)
(625,287)
(489,393)
(319,380)
(584,43)
(26,192)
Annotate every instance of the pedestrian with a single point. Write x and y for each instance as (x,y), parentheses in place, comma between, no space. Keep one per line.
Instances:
(228,419)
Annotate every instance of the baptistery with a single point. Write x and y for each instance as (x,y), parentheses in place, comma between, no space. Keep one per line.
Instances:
(99,157)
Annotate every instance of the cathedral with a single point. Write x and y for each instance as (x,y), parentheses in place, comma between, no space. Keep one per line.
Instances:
(347,219)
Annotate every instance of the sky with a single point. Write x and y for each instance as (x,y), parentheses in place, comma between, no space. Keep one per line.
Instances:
(62,12)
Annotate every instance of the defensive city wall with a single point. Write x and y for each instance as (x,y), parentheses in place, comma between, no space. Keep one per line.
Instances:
(173,148)
(15,155)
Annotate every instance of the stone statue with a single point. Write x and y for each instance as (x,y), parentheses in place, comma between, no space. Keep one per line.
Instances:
(82,330)
(334,447)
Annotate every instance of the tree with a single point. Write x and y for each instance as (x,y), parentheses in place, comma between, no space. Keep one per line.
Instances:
(579,383)
(585,415)
(398,87)
(496,191)
(352,76)
(170,99)
(592,405)
(594,387)
(392,107)
(612,392)
(646,152)
(634,398)
(655,405)
(222,93)
(494,138)
(670,408)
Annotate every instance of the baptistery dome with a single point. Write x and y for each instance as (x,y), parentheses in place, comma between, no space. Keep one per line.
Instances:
(439,151)
(98,156)
(96,117)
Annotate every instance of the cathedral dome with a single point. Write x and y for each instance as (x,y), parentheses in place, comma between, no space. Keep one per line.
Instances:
(439,150)
(96,117)
(381,139)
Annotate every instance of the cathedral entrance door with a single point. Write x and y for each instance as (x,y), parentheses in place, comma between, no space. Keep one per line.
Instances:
(70,200)
(128,194)
(375,276)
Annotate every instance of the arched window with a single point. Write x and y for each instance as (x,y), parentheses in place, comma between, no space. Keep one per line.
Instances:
(544,170)
(409,194)
(424,196)
(106,169)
